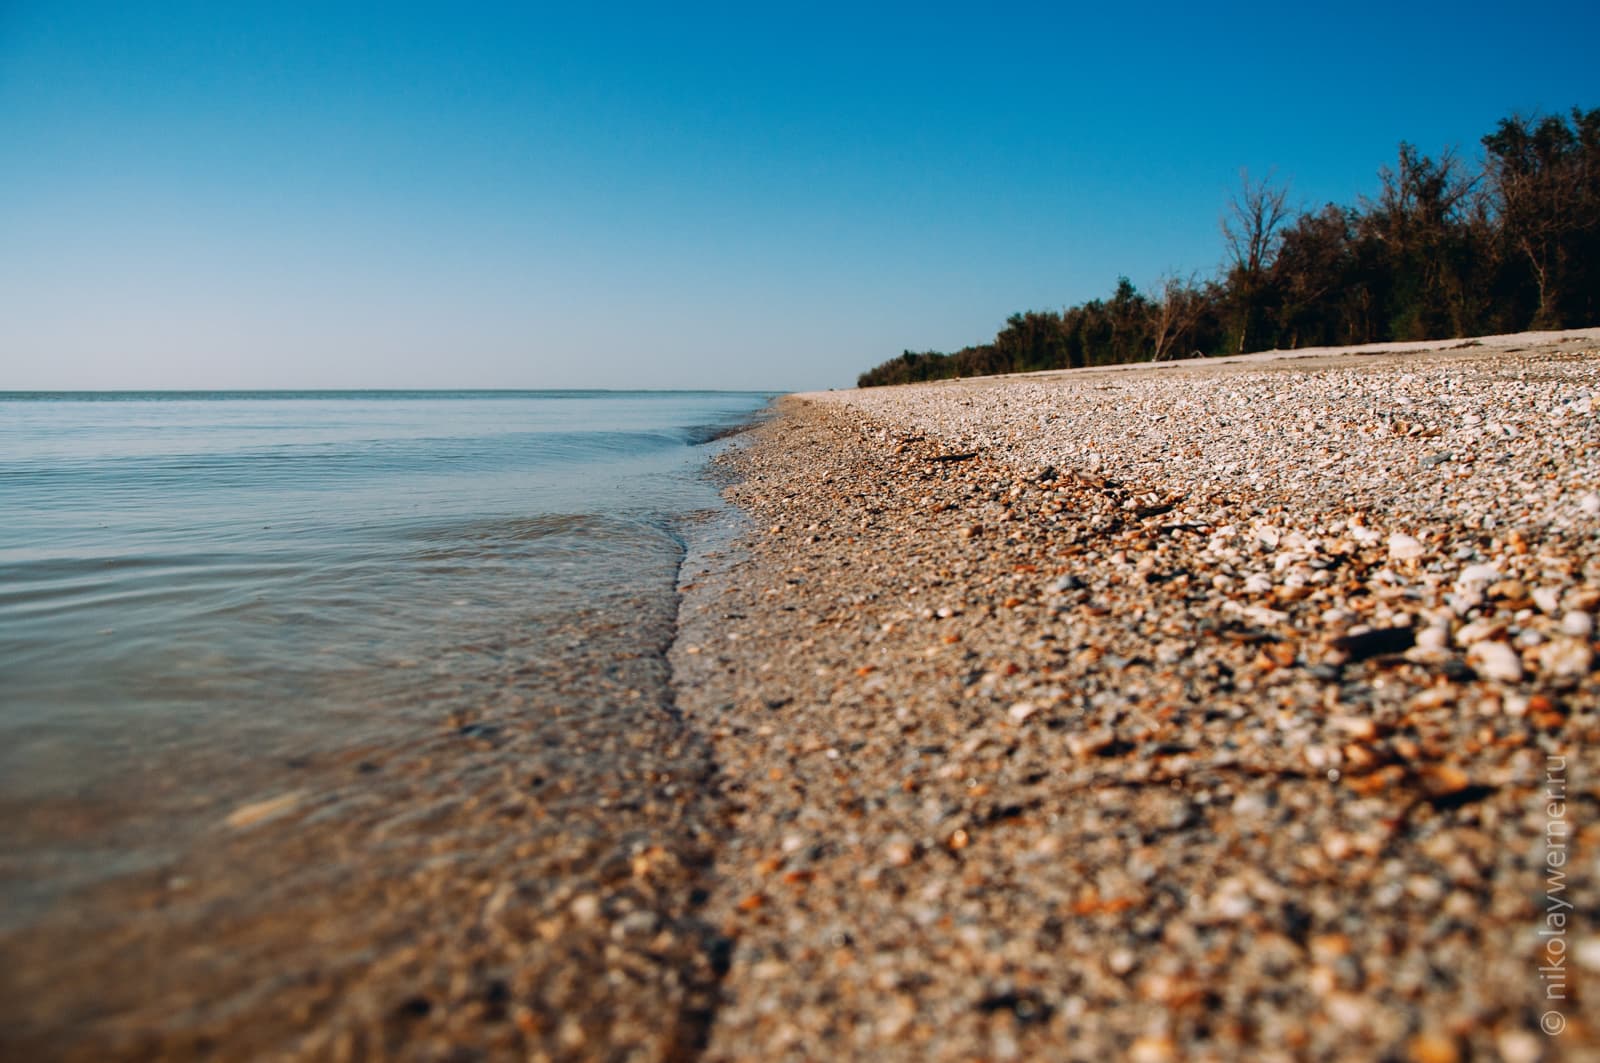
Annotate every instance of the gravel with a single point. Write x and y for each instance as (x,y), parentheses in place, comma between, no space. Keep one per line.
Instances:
(1191,712)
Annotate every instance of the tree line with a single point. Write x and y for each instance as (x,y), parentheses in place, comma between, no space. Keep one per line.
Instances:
(1445,249)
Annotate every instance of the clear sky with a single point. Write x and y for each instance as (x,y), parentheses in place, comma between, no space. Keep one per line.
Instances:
(226,194)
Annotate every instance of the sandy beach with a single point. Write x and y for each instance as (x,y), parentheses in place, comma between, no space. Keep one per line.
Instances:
(1236,709)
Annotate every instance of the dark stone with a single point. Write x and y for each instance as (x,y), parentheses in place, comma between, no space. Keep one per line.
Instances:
(1376,643)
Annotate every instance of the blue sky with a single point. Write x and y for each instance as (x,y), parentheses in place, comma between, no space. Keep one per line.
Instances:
(741,196)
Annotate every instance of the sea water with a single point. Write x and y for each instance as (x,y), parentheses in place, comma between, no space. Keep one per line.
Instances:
(209,601)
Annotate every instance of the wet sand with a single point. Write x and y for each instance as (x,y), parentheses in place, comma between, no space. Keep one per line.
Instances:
(521,880)
(1170,712)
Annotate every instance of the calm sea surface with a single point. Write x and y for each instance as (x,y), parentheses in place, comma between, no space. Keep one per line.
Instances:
(211,601)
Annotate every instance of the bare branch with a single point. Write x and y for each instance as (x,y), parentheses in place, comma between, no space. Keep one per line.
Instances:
(1177,305)
(1251,226)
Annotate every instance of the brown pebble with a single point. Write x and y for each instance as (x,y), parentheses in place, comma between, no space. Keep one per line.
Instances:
(1433,1048)
(1442,780)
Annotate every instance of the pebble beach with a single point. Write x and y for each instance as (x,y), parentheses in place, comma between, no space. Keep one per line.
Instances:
(1235,709)
(1243,708)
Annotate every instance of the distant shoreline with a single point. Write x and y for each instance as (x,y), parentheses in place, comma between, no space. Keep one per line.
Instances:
(1311,357)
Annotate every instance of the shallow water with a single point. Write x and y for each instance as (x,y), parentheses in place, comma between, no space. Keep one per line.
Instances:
(242,635)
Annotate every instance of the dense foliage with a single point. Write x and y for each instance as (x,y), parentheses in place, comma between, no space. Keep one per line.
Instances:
(1443,250)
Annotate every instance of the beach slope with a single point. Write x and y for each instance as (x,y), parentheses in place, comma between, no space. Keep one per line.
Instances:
(1222,709)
